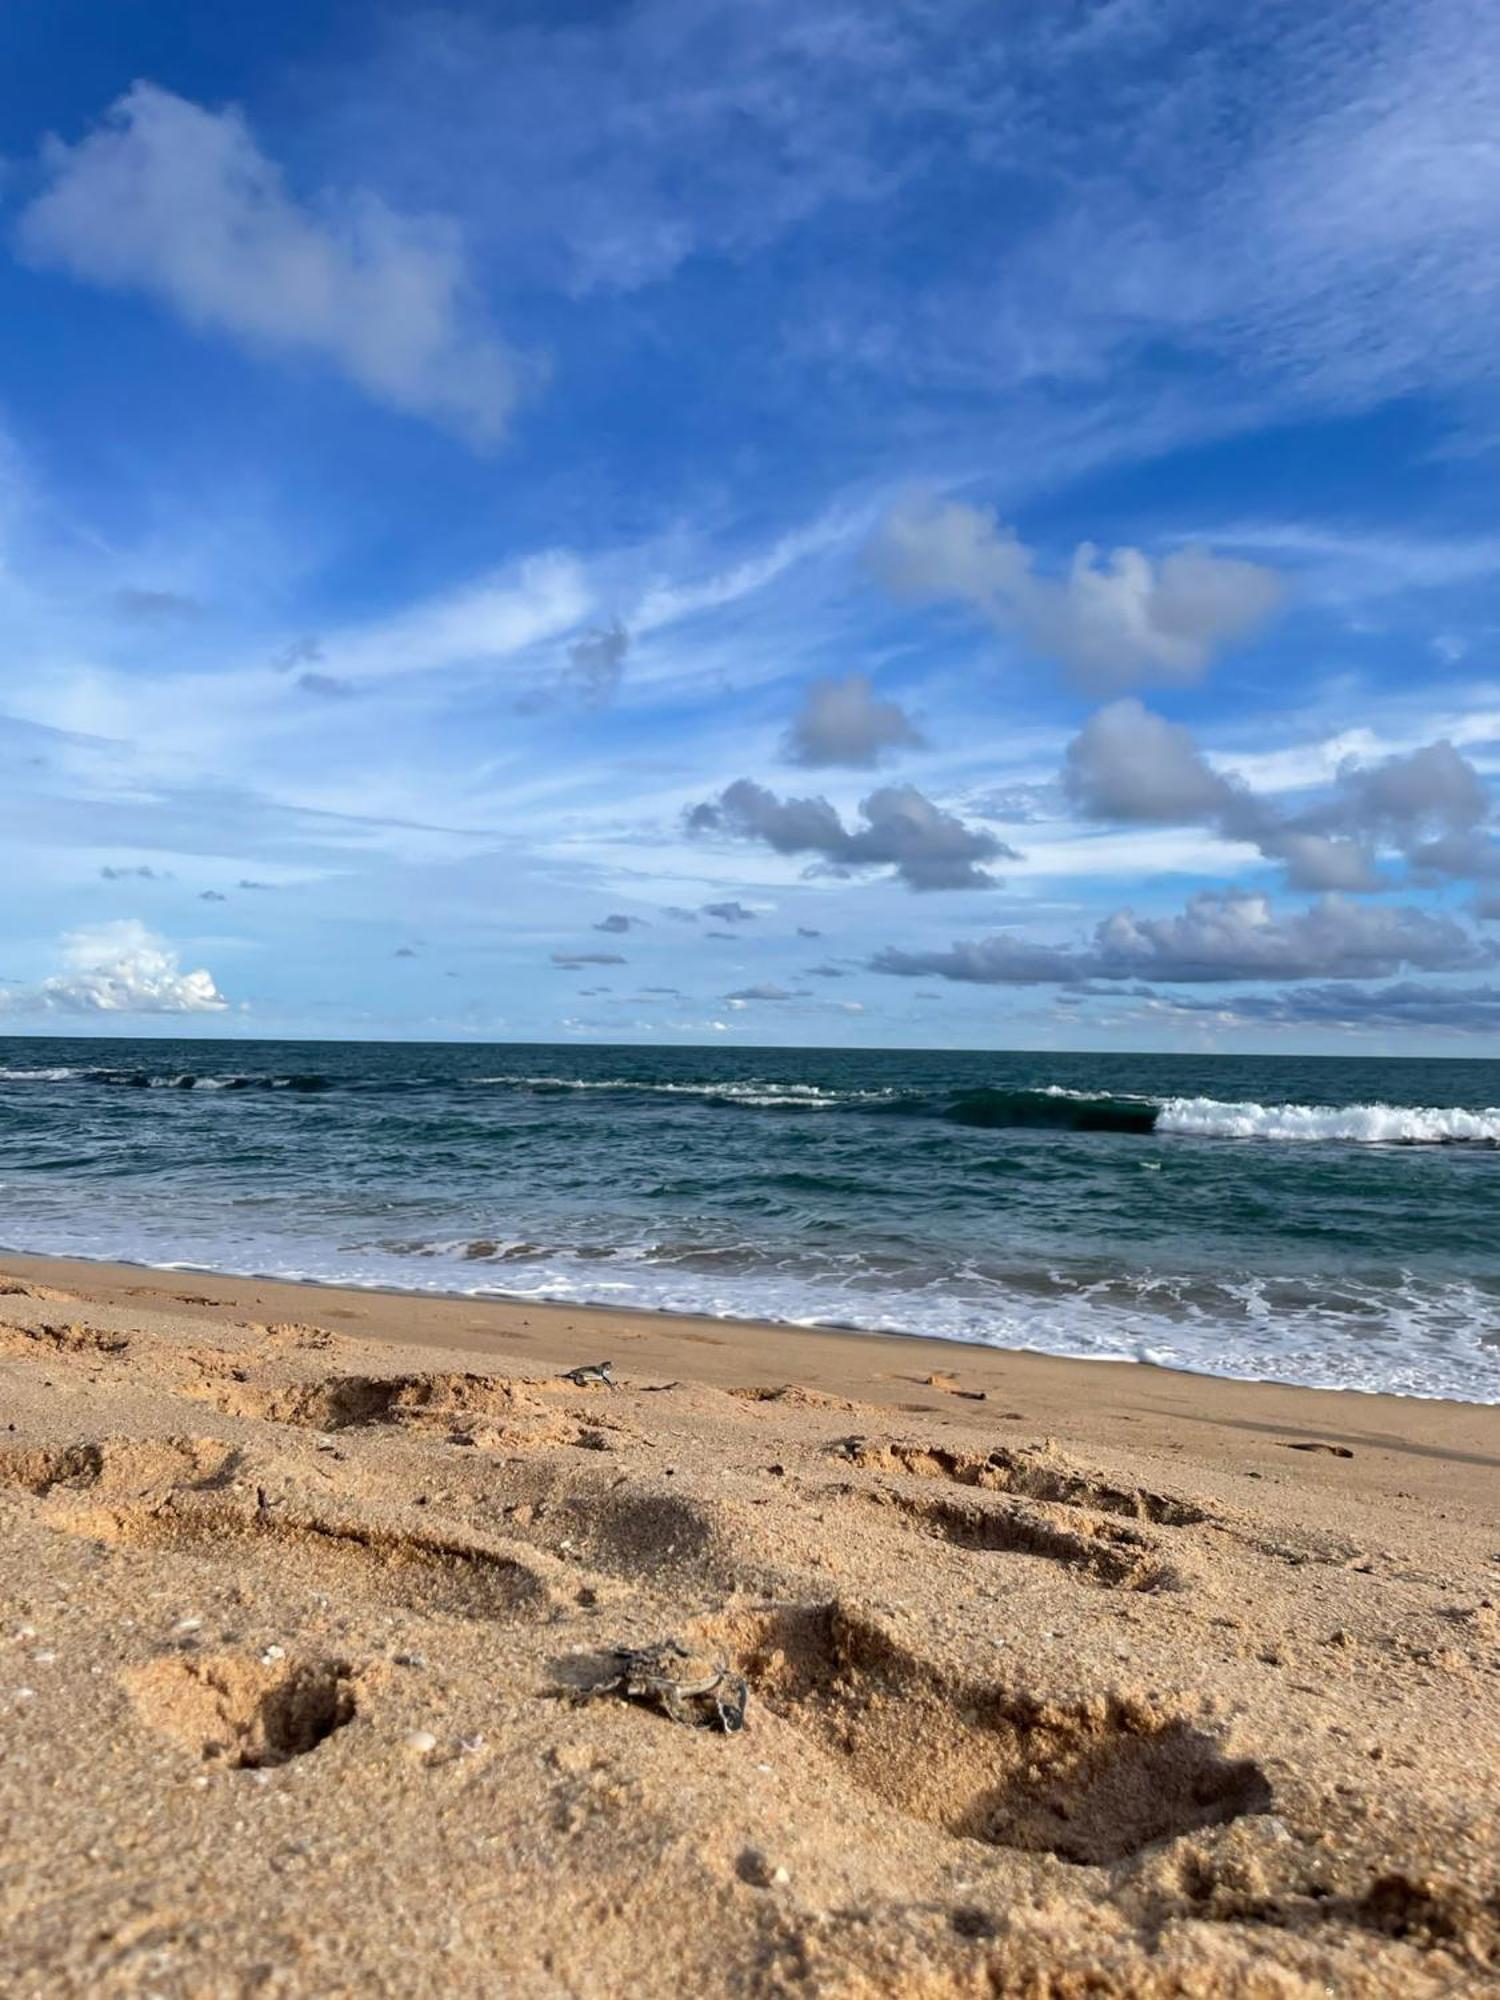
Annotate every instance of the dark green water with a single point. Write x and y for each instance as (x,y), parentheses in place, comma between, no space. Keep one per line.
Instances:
(1305,1219)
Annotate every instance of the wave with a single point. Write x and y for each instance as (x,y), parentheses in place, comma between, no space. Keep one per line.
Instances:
(1054,1108)
(1353,1124)
(145,1079)
(1051,1109)
(758,1094)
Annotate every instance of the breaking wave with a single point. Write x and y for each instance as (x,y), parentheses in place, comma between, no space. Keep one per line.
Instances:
(1351,1124)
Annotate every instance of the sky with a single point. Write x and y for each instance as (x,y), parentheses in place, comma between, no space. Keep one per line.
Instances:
(793,522)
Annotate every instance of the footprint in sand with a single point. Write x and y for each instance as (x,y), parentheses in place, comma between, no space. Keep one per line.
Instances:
(243,1711)
(1091,1782)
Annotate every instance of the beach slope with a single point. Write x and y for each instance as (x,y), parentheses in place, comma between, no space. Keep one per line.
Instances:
(1058,1678)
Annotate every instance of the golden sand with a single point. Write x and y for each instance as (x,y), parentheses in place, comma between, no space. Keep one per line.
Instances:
(1063,1678)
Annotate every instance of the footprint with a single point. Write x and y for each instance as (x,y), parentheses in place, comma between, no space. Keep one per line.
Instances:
(23,1288)
(1116,1557)
(129,1467)
(296,1333)
(467,1409)
(1090,1782)
(1035,1474)
(420,1570)
(68,1339)
(339,1402)
(236,1709)
(794,1394)
(175,1495)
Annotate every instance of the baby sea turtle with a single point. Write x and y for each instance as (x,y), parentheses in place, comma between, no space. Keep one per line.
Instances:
(591,1371)
(693,1688)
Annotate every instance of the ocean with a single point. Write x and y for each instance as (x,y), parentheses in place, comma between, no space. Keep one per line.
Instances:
(1328,1222)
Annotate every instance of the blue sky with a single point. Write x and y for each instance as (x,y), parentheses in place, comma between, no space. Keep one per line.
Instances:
(777,523)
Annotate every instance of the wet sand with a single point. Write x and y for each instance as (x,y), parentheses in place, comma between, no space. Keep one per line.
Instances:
(1062,1677)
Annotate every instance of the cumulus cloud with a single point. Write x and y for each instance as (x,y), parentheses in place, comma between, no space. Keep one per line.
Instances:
(571,960)
(1224,935)
(618,924)
(212,896)
(844,722)
(928,848)
(118,968)
(1129,766)
(180,203)
(806,930)
(1435,788)
(730,913)
(596,662)
(766,991)
(1114,621)
(403,951)
(137,874)
(1431,804)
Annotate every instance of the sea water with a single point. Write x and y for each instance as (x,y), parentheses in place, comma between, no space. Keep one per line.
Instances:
(1328,1222)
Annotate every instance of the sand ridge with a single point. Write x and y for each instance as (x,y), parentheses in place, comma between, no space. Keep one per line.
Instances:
(300,1625)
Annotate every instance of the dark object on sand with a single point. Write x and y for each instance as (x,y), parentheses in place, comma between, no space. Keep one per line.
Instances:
(591,1372)
(692,1688)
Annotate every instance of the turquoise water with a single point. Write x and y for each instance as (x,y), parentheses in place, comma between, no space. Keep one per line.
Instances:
(1327,1222)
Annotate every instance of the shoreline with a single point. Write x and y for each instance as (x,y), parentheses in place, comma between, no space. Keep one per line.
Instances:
(1138,1403)
(510,1302)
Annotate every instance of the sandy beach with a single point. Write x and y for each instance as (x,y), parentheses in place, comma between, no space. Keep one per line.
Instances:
(1058,1678)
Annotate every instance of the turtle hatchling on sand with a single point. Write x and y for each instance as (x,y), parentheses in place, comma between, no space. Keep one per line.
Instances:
(694,1688)
(591,1373)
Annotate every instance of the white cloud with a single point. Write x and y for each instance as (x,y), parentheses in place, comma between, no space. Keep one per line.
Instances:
(491,619)
(179,202)
(117,968)
(1114,621)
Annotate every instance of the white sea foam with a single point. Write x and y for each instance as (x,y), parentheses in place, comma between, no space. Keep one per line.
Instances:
(1415,1338)
(804,1096)
(1354,1124)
